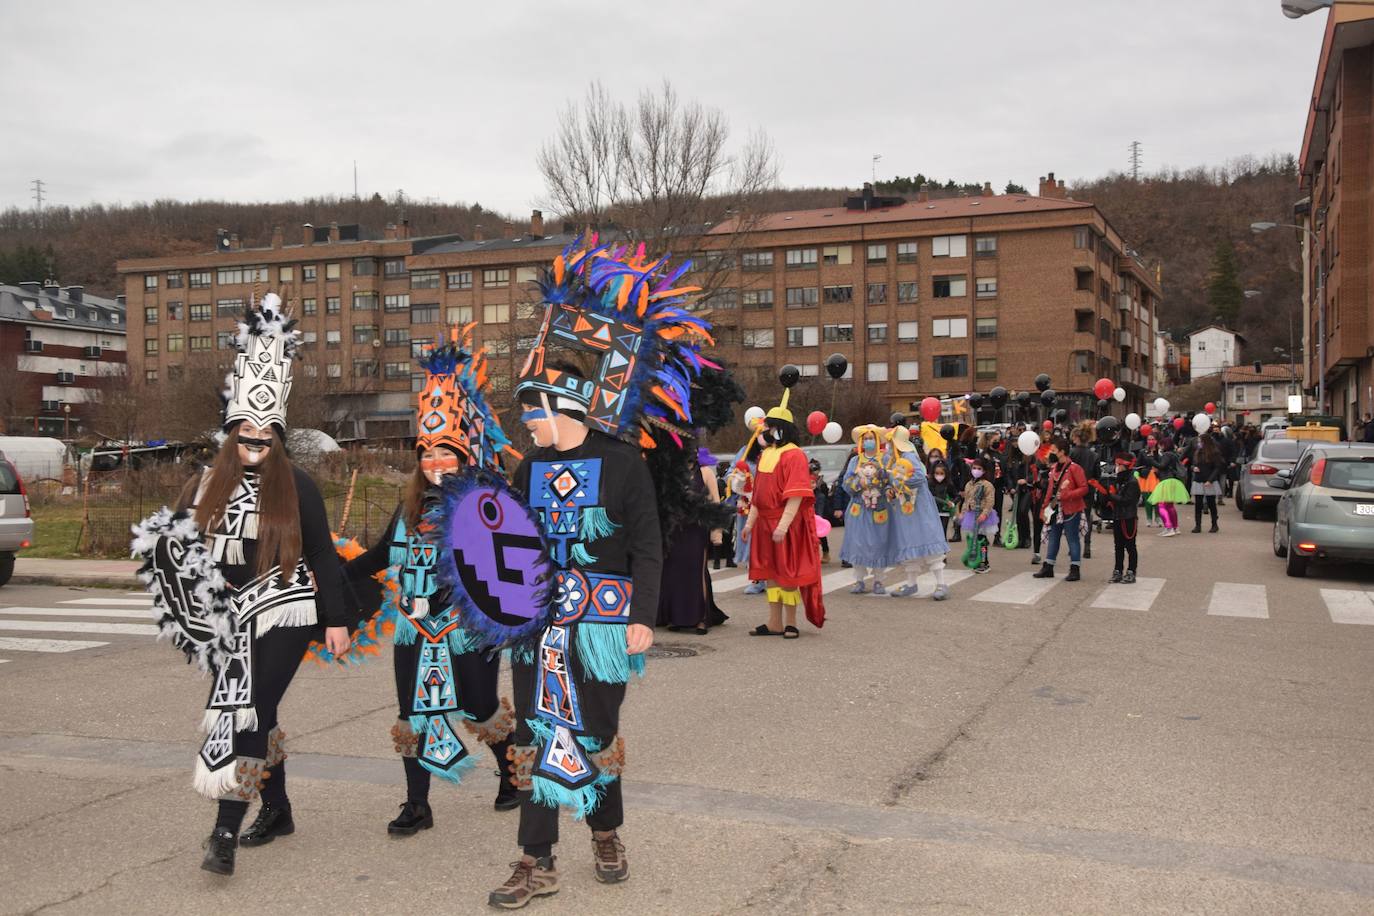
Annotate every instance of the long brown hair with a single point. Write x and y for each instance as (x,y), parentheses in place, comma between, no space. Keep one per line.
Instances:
(412,501)
(279,511)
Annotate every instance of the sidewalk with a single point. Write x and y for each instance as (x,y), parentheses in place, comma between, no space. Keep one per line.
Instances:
(76,573)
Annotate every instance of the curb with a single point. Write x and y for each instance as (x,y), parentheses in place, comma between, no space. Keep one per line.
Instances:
(130,584)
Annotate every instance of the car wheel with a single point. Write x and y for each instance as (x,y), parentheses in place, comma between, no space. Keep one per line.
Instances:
(1240,503)
(1247,512)
(6,567)
(1297,566)
(1279,549)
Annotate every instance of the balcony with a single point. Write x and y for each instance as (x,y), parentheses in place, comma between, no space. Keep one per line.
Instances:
(1123,302)
(1125,338)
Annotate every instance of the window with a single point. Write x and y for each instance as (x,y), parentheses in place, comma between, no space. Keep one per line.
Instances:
(175,343)
(496,279)
(986,368)
(1082,361)
(396,337)
(985,328)
(241,275)
(333,370)
(396,302)
(1083,322)
(1104,329)
(803,337)
(364,267)
(150,346)
(459,279)
(424,314)
(949,246)
(724,299)
(311,370)
(286,274)
(175,280)
(310,306)
(877,254)
(907,331)
(394,267)
(906,252)
(1201,345)
(950,366)
(757,298)
(331,305)
(174,373)
(801,297)
(364,368)
(877,333)
(525,311)
(364,302)
(424,279)
(498,347)
(526,275)
(495,314)
(200,311)
(908,370)
(949,327)
(150,314)
(200,342)
(150,375)
(332,338)
(837,254)
(876,294)
(396,371)
(950,287)
(801,257)
(1104,290)
(986,287)
(758,338)
(985,246)
(757,260)
(364,333)
(877,372)
(308,272)
(836,294)
(309,339)
(810,370)
(176,309)
(1083,279)
(907,291)
(836,333)
(331,270)
(1238,394)
(1083,237)
(1266,394)
(459,314)
(150,281)
(200,279)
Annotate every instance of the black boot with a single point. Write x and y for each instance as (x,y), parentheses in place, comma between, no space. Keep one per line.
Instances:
(414,816)
(272,821)
(508,798)
(1046,572)
(219,852)
(1116,577)
(1073,573)
(1214,529)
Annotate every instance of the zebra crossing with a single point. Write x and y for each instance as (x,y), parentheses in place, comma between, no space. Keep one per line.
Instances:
(80,618)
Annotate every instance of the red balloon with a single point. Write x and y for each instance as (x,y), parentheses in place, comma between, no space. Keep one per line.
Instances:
(1146,429)
(1047,426)
(930,409)
(1210,407)
(815,422)
(1178,422)
(1104,388)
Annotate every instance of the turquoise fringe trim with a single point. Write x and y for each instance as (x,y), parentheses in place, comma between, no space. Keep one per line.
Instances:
(406,633)
(579,555)
(522,653)
(419,724)
(601,650)
(596,524)
(455,773)
(581,802)
(461,642)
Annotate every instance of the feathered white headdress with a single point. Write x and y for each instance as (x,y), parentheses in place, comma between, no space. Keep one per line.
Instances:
(257,388)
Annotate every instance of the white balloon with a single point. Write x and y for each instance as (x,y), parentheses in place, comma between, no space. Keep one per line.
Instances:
(1119,395)
(1133,421)
(1202,423)
(1161,406)
(753,415)
(1028,442)
(832,432)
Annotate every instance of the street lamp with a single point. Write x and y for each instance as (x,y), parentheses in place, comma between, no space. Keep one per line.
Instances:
(67,420)
(1259,227)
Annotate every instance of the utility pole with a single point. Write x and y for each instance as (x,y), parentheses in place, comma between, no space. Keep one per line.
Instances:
(877,157)
(37,185)
(1135,160)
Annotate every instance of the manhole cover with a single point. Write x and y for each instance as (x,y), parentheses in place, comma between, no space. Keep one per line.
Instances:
(671,652)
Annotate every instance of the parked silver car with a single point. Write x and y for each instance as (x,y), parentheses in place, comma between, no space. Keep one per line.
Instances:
(1252,488)
(16,525)
(1326,510)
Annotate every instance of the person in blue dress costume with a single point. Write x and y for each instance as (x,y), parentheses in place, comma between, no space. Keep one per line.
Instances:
(867,543)
(917,534)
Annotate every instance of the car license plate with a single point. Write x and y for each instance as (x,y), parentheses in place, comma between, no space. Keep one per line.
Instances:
(1364,508)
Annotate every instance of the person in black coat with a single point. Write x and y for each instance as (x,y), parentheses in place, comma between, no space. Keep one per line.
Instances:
(1122,500)
(1085,456)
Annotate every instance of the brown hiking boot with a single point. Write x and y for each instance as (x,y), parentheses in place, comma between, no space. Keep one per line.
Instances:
(531,878)
(609,853)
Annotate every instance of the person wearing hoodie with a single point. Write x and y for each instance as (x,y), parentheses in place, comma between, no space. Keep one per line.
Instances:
(1122,499)
(1066,488)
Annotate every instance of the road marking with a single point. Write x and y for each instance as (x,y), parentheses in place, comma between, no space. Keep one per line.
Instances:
(1349,605)
(17,644)
(841,579)
(113,602)
(729,585)
(64,626)
(1138,597)
(1236,599)
(145,614)
(3,660)
(1021,588)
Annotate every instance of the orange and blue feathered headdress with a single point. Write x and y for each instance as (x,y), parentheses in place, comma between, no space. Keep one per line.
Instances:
(453,407)
(631,312)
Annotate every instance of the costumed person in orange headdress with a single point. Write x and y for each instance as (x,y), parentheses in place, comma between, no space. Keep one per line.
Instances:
(784,550)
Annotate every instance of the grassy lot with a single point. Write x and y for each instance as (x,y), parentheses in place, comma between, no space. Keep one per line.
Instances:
(56,527)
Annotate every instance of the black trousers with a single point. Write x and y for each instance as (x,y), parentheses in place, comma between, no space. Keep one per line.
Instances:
(1211,504)
(1124,533)
(601,718)
(475,676)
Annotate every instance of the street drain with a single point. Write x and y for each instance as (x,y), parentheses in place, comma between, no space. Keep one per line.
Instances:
(674,651)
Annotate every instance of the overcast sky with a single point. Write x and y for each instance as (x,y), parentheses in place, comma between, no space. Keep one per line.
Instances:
(251,100)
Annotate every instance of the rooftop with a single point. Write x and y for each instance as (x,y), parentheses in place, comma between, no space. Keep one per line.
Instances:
(1270,372)
(559,241)
(943,208)
(67,307)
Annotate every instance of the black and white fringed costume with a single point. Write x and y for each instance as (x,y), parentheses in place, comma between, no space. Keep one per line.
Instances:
(249,631)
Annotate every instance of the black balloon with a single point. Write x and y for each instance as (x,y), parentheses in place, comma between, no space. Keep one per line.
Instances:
(947,432)
(789,375)
(836,365)
(897,419)
(1042,382)
(1047,396)
(1061,415)
(998,397)
(975,400)
(1023,398)
(1108,428)
(1102,405)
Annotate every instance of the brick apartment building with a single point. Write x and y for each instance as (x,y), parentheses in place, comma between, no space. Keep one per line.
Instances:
(1337,174)
(923,297)
(64,346)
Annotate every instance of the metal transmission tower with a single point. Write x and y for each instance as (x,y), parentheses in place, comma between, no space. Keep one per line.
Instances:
(37,185)
(1135,160)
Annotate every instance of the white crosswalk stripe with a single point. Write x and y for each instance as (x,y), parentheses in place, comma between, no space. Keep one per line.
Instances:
(22,644)
(144,614)
(1021,588)
(1349,605)
(112,602)
(76,626)
(1238,599)
(1137,597)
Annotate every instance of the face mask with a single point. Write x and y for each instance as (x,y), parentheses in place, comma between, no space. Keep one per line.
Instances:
(775,435)
(1052,458)
(939,478)
(976,472)
(870,447)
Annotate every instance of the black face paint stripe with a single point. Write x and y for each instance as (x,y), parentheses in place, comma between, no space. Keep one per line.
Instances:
(262,443)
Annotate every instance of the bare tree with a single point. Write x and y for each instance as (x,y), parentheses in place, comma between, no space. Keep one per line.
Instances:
(126,410)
